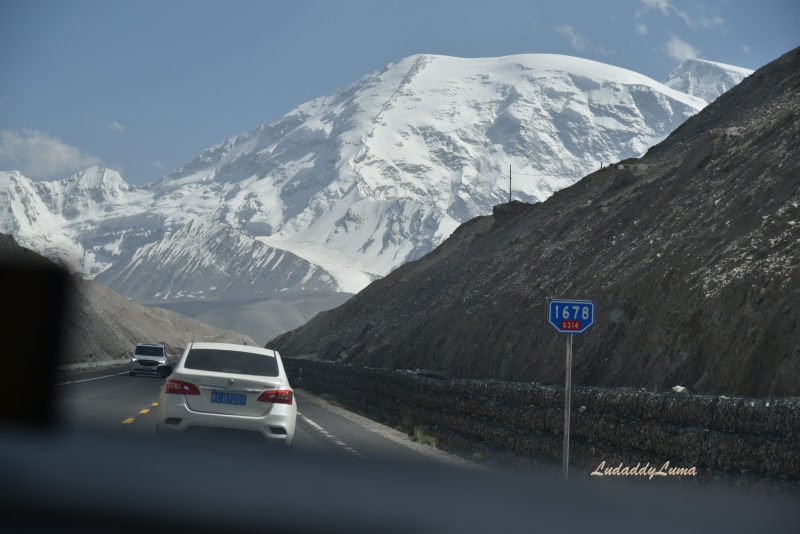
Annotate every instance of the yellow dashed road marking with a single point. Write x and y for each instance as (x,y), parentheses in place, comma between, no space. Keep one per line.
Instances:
(130,420)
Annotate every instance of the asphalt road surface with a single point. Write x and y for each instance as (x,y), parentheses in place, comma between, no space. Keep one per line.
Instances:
(113,402)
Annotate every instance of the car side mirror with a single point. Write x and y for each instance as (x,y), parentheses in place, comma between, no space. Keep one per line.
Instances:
(295,383)
(164,370)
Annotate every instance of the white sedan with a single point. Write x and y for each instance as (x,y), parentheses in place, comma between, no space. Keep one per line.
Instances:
(223,385)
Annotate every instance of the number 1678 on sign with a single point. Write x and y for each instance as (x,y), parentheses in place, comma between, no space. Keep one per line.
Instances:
(570,316)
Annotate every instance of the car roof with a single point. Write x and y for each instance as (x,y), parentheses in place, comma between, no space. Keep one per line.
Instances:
(231,346)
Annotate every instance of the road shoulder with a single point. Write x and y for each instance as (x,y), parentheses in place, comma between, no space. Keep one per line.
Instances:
(391,434)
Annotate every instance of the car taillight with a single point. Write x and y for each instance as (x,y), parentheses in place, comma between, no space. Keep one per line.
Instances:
(176,386)
(280,396)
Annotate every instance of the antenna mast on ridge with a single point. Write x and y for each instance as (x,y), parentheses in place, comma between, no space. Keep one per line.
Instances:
(83,261)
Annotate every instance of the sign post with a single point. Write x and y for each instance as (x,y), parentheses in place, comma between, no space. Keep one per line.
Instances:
(567,405)
(569,317)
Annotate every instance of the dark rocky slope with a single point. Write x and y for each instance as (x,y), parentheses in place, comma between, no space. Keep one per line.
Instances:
(691,253)
(104,323)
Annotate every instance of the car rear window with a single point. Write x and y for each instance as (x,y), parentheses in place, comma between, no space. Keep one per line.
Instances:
(231,361)
(149,351)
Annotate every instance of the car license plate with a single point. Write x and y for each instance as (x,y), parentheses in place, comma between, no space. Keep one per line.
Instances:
(228,398)
(147,369)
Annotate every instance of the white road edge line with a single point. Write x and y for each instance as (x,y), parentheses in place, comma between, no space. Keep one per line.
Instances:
(87,379)
(392,434)
(335,440)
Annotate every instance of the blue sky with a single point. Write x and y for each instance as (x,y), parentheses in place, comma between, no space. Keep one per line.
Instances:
(144,86)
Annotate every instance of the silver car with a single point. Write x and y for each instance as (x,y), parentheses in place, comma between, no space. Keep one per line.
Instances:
(146,358)
(225,386)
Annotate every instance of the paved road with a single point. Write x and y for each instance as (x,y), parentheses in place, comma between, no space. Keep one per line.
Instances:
(113,402)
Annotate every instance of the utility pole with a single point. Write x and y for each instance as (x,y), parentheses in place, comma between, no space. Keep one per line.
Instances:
(509,184)
(83,261)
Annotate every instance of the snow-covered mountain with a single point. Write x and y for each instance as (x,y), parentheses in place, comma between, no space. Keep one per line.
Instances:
(208,258)
(51,217)
(705,79)
(353,184)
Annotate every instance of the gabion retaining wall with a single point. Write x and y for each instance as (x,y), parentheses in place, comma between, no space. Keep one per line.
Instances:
(617,425)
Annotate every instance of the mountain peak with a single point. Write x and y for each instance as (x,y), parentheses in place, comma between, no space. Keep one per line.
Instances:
(96,177)
(705,79)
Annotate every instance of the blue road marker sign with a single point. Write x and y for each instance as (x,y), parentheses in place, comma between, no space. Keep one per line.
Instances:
(570,316)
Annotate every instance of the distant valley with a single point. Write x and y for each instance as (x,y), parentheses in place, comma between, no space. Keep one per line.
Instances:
(261,319)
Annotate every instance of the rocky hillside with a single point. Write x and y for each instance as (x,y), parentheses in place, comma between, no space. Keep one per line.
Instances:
(692,254)
(107,325)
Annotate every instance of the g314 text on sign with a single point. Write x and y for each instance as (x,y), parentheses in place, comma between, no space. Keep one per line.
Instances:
(570,316)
